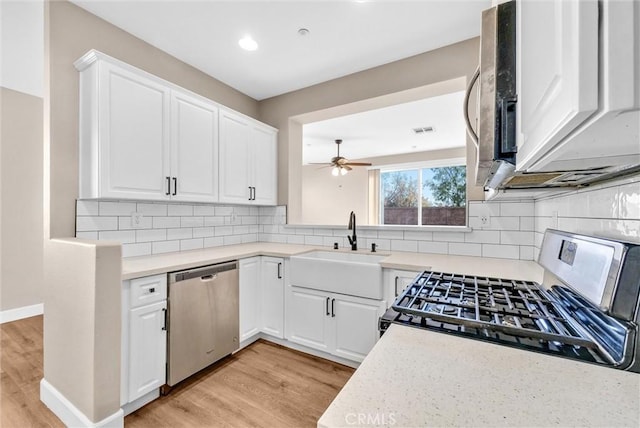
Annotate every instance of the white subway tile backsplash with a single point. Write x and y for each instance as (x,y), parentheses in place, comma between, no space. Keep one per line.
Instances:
(217,241)
(482,237)
(249,219)
(527,224)
(117,208)
(93,223)
(203,210)
(213,221)
(390,234)
(232,239)
(433,247)
(418,235)
(87,208)
(313,240)
(504,223)
(123,236)
(165,247)
(516,238)
(133,250)
(516,209)
(125,223)
(152,209)
(295,239)
(461,249)
(191,244)
(240,230)
(180,210)
(448,236)
(203,232)
(151,235)
(501,251)
(526,252)
(179,234)
(224,211)
(223,230)
(403,245)
(249,238)
(191,221)
(166,222)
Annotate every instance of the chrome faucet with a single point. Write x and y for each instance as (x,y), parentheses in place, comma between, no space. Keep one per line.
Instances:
(352,226)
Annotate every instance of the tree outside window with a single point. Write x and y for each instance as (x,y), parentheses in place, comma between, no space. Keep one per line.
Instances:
(442,193)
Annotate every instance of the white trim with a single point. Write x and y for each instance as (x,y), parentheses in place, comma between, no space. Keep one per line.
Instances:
(69,414)
(131,407)
(20,313)
(436,163)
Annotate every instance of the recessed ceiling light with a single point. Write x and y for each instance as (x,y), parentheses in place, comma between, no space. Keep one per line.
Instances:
(303,32)
(248,44)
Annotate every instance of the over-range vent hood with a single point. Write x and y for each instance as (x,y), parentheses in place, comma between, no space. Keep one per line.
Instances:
(604,146)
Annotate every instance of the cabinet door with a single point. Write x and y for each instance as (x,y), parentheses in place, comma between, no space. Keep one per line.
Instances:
(265,164)
(272,310)
(401,279)
(249,279)
(356,325)
(557,72)
(147,349)
(194,149)
(134,135)
(235,134)
(309,319)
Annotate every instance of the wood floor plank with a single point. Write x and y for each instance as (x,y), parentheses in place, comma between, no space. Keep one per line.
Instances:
(263,385)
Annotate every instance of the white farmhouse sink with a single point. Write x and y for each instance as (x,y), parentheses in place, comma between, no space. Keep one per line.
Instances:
(356,274)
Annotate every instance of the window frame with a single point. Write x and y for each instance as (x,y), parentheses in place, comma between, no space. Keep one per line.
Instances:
(419,166)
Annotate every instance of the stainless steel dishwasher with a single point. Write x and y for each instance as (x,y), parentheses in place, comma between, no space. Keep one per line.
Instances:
(202,320)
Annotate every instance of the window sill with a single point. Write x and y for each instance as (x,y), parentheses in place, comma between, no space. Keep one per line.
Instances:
(462,229)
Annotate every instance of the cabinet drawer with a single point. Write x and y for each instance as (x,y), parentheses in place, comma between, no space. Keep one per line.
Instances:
(148,290)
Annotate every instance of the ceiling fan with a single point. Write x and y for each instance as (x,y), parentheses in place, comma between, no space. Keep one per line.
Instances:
(340,164)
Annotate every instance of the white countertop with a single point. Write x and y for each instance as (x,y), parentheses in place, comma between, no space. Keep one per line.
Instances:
(419,378)
(135,267)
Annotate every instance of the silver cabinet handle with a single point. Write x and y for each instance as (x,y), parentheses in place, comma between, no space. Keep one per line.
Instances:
(465,105)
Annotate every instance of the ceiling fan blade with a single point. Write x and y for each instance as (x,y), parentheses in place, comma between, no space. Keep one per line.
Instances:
(319,163)
(358,163)
(347,167)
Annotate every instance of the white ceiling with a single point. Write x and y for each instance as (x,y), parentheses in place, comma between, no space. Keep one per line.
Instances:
(388,130)
(345,36)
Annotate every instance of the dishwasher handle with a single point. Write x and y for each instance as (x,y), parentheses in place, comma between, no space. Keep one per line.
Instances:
(205,273)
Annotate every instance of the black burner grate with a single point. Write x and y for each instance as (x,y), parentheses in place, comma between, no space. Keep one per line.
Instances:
(517,308)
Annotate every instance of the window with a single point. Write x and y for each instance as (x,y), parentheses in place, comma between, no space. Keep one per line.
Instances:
(424,196)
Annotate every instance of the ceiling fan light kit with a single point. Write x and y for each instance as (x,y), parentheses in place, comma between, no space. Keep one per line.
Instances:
(342,165)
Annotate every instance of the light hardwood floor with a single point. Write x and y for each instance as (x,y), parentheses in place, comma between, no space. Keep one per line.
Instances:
(264,385)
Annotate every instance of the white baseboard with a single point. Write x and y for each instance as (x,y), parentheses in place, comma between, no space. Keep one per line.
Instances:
(69,414)
(140,402)
(292,345)
(20,313)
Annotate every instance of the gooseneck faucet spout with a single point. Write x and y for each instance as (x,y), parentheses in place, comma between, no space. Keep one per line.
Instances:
(352,226)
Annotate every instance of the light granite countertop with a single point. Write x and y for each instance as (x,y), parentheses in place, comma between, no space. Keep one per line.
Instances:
(420,378)
(135,267)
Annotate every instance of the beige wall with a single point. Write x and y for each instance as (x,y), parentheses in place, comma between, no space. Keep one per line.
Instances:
(82,324)
(72,32)
(328,200)
(21,276)
(451,62)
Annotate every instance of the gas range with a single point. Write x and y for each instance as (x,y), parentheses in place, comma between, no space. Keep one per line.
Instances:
(586,316)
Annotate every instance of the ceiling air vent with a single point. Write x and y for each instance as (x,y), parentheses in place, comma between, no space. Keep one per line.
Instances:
(423,130)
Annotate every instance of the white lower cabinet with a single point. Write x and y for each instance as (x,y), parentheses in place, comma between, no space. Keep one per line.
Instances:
(345,326)
(262,297)
(249,278)
(144,338)
(396,281)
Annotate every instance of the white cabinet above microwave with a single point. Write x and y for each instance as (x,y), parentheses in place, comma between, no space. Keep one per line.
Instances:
(578,68)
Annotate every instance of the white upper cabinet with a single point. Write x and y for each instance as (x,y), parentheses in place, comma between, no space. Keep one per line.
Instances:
(248,161)
(557,55)
(142,137)
(578,96)
(124,120)
(194,148)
